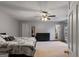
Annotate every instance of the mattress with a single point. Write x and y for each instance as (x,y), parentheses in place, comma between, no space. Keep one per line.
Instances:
(51,49)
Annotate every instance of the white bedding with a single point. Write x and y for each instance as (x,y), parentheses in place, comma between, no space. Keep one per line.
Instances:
(51,49)
(21,45)
(23,41)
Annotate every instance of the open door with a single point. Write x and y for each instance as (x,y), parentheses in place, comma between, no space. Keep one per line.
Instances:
(73,29)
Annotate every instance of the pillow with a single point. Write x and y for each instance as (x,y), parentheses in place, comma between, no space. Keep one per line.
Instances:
(4,36)
(11,38)
(2,33)
(8,38)
(2,42)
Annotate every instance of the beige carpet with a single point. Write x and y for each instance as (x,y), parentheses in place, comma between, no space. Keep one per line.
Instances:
(51,49)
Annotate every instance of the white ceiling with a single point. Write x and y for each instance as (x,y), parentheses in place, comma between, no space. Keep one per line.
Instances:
(30,10)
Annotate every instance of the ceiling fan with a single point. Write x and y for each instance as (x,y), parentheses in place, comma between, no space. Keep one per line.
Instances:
(45,16)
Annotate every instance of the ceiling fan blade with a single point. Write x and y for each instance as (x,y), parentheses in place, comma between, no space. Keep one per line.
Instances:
(52,16)
(48,18)
(44,12)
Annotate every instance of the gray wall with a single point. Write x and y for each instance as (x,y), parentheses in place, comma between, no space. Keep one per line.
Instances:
(9,25)
(60,31)
(42,27)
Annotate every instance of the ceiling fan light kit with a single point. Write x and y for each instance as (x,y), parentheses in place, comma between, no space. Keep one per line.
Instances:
(45,17)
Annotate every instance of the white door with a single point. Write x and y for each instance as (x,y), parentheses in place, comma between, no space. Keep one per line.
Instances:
(73,30)
(25,30)
(78,30)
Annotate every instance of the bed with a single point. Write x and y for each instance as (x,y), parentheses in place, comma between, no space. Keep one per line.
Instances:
(20,46)
(51,49)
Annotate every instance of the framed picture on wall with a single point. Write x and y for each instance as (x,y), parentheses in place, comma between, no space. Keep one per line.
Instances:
(33,31)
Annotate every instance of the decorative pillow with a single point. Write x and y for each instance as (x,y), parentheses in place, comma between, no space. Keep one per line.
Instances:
(11,38)
(4,36)
(8,38)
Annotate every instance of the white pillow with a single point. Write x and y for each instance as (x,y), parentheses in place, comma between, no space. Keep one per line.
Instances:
(2,41)
(4,36)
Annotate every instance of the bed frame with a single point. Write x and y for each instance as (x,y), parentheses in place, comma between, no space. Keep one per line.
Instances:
(3,33)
